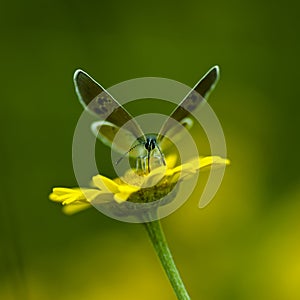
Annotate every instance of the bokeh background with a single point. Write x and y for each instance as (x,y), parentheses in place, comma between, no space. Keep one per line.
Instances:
(246,243)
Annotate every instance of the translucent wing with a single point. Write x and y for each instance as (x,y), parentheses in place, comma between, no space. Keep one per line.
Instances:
(119,139)
(98,101)
(194,98)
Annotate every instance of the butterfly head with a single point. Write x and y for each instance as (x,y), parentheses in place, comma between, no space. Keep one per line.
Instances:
(150,143)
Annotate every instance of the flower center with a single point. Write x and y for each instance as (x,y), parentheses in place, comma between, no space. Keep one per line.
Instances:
(155,193)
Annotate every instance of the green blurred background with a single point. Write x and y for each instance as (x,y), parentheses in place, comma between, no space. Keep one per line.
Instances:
(245,244)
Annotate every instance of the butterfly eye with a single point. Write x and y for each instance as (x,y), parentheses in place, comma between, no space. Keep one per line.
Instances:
(150,144)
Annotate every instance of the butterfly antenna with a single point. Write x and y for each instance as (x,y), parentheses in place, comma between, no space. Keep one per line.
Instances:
(120,159)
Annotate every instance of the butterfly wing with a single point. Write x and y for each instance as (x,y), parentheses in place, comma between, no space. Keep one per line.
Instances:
(118,138)
(193,99)
(111,113)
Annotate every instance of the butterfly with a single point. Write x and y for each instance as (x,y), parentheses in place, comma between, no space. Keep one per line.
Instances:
(115,119)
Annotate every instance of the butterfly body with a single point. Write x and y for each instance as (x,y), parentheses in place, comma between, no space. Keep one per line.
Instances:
(119,130)
(149,142)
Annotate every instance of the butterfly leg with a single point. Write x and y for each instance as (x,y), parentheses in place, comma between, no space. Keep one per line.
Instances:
(161,155)
(148,160)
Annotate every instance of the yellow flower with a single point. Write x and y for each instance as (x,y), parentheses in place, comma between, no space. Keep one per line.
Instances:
(132,187)
(73,199)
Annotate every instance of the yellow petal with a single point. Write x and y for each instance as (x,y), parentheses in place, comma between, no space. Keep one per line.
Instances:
(171,160)
(105,184)
(74,208)
(131,178)
(186,168)
(213,160)
(126,188)
(90,194)
(121,197)
(102,197)
(62,191)
(175,178)
(66,194)
(154,176)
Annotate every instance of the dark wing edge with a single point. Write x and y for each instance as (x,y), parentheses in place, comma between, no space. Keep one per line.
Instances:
(208,82)
(193,99)
(86,87)
(98,101)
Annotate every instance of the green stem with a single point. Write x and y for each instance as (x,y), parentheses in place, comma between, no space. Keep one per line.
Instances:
(161,247)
